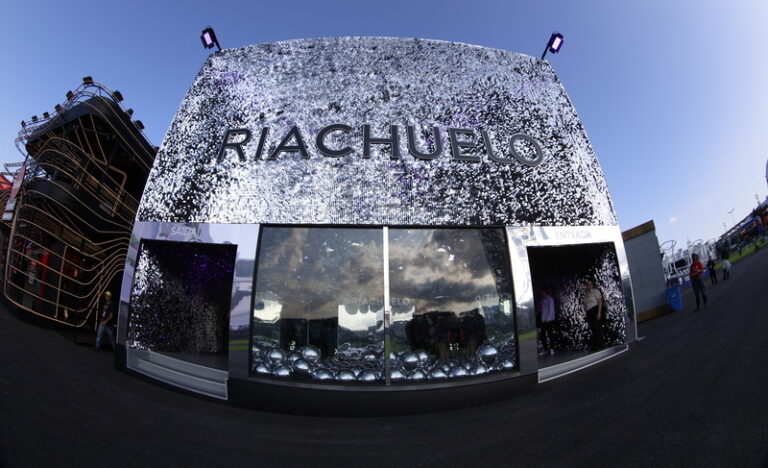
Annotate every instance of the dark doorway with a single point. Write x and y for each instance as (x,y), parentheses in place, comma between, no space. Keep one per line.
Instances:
(563,272)
(180,299)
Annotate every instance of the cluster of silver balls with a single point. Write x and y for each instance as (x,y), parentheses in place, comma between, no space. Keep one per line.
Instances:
(417,365)
(363,365)
(367,364)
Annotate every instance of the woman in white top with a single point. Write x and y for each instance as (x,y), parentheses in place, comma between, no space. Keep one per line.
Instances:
(593,305)
(726,269)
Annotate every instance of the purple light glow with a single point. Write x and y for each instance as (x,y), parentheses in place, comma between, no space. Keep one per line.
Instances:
(181,300)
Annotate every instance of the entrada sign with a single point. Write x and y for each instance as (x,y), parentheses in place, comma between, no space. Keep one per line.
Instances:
(460,140)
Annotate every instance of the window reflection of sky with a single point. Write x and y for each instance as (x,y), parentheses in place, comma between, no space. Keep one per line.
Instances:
(440,270)
(317,273)
(338,273)
(359,319)
(450,293)
(267,311)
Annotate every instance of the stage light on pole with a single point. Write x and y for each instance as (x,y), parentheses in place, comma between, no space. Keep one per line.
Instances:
(554,44)
(209,38)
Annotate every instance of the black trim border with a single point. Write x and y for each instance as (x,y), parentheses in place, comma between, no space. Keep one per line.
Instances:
(373,401)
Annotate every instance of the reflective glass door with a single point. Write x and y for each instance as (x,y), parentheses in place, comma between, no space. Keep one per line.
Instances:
(318,304)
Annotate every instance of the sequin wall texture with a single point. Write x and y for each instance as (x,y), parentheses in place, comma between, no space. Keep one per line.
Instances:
(313,83)
(180,297)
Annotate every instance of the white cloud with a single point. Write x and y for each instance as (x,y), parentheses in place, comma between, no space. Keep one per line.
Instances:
(673,219)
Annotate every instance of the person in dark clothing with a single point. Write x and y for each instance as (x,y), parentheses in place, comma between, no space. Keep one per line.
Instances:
(107,319)
(711,270)
(547,311)
(695,272)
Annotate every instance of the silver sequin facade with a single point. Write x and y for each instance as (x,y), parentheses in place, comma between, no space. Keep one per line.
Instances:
(313,83)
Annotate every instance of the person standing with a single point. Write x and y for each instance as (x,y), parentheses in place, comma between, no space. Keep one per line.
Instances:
(31,285)
(547,308)
(726,269)
(695,272)
(593,305)
(107,318)
(711,270)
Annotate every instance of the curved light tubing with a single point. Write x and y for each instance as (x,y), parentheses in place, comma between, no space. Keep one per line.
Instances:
(85,170)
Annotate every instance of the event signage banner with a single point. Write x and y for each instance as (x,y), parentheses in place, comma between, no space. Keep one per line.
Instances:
(236,139)
(376,131)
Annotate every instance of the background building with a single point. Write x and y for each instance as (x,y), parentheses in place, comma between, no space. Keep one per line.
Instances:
(647,270)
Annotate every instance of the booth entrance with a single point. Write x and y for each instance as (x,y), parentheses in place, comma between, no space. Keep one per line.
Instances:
(562,277)
(180,301)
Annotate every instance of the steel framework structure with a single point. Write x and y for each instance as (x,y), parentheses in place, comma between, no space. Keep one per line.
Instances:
(85,170)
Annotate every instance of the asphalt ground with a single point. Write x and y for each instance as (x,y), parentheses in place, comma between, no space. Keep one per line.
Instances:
(693,392)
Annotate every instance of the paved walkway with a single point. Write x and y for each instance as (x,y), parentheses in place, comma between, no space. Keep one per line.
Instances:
(694,392)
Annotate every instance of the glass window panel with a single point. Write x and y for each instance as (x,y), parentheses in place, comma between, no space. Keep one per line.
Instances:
(452,308)
(318,304)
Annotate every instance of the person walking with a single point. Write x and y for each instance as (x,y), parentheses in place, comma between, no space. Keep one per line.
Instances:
(593,305)
(695,272)
(107,318)
(711,270)
(726,269)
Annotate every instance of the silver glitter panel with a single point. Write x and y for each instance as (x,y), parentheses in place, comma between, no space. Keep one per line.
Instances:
(313,83)
(180,297)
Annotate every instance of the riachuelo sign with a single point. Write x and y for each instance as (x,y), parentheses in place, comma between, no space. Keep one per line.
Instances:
(465,144)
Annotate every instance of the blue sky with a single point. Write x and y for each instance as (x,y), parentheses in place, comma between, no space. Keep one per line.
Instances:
(673,94)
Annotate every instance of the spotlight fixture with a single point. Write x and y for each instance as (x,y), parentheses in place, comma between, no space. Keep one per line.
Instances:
(57,108)
(117,96)
(23,124)
(69,94)
(87,80)
(209,38)
(34,118)
(138,124)
(46,115)
(554,44)
(129,112)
